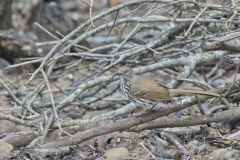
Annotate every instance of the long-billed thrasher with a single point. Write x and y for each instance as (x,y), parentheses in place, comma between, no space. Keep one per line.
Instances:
(144,91)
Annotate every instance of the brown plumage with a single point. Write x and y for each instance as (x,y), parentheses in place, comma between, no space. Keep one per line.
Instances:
(140,89)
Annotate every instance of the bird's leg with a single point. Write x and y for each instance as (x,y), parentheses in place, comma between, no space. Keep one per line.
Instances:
(150,106)
(153,106)
(138,104)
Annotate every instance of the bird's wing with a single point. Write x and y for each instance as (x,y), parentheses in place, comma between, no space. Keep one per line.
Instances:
(162,85)
(148,89)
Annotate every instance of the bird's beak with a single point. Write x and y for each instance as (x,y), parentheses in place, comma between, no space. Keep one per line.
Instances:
(116,74)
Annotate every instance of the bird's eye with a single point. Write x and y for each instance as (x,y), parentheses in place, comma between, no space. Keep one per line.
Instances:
(124,70)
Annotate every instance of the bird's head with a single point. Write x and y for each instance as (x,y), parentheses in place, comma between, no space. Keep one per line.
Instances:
(123,72)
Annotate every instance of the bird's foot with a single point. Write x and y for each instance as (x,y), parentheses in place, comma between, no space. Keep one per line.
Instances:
(150,108)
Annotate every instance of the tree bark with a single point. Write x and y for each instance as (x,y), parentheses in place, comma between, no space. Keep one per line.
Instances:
(5,14)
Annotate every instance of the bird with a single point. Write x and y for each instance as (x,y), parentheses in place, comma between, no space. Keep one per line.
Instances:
(146,91)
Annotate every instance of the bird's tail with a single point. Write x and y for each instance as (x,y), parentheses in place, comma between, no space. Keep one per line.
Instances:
(193,92)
